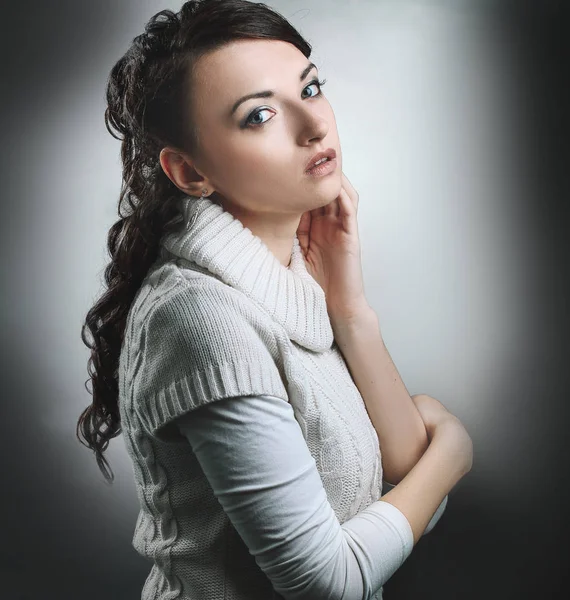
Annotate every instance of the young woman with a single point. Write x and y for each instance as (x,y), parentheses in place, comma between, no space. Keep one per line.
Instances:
(235,348)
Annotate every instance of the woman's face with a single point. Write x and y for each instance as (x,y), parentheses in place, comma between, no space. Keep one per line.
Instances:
(255,157)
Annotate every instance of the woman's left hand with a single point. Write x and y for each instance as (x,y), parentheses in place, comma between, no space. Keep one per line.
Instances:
(328,237)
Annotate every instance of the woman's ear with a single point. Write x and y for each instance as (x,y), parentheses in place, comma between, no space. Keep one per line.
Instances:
(179,169)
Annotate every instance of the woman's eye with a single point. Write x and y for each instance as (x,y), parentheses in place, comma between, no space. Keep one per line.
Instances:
(256,113)
(250,119)
(319,84)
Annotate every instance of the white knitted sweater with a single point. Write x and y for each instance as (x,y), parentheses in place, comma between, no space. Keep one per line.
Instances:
(217,317)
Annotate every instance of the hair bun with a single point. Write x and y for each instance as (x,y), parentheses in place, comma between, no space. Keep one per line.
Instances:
(170,24)
(160,32)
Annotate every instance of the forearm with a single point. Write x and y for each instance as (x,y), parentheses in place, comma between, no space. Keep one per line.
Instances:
(422,491)
(400,428)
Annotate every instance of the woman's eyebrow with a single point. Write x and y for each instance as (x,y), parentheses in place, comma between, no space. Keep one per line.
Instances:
(269,93)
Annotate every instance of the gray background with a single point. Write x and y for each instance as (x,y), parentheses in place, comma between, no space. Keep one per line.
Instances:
(453,120)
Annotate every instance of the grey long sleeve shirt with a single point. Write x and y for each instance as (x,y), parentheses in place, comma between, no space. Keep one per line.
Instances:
(253,454)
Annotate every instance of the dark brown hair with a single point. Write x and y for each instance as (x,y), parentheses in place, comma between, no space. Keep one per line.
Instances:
(148,98)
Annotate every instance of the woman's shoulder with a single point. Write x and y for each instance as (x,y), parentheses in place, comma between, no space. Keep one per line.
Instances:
(190,305)
(170,282)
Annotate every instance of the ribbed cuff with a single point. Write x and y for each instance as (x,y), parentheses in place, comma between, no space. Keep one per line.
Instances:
(225,380)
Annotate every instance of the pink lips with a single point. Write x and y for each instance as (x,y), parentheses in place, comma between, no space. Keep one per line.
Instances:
(323,169)
(330,153)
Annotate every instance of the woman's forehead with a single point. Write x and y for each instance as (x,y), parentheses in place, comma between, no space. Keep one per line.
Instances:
(248,62)
(244,67)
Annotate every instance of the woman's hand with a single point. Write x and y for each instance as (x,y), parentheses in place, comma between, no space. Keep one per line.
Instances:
(432,412)
(328,237)
(447,428)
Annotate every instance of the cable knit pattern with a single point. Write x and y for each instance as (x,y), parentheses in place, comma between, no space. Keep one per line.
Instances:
(219,316)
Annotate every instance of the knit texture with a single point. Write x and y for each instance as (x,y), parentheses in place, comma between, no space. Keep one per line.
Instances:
(219,316)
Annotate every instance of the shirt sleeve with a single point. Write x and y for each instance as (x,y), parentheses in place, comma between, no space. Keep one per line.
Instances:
(386,487)
(255,457)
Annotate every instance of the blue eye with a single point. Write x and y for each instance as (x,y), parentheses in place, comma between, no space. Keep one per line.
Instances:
(249,120)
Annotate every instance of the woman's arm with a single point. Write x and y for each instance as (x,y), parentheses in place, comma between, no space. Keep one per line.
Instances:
(448,458)
(253,453)
(398,424)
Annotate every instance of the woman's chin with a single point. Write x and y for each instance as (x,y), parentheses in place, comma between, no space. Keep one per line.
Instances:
(327,192)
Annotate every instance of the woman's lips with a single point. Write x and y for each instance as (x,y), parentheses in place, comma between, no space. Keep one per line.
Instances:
(329,153)
(323,169)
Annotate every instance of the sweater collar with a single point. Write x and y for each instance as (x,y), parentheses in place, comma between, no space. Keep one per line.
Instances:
(214,239)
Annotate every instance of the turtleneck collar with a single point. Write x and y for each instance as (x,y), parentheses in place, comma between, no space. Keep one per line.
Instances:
(215,240)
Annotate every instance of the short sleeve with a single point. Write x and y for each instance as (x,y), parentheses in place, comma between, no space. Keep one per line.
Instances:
(201,343)
(253,453)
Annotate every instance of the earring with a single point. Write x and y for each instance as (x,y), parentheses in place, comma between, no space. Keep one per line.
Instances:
(204,192)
